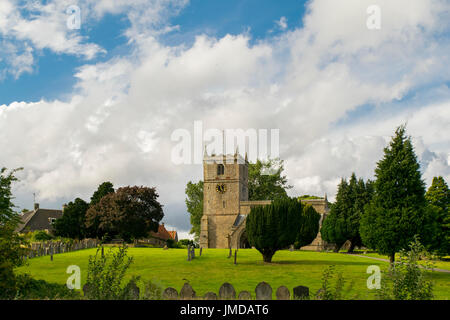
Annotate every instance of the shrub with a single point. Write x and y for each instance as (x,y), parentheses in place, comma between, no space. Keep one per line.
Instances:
(407,280)
(29,288)
(106,274)
(328,291)
(42,236)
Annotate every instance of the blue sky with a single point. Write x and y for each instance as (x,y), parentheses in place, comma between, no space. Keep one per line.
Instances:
(53,74)
(80,107)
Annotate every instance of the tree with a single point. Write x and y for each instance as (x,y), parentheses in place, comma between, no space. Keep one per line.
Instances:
(73,222)
(309,227)
(334,227)
(265,180)
(194,204)
(102,190)
(10,241)
(342,224)
(275,226)
(397,211)
(130,212)
(438,197)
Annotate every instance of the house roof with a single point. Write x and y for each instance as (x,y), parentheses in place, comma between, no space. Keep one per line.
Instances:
(162,233)
(38,219)
(173,234)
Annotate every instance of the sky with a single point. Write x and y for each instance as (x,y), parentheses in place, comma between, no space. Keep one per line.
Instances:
(79,106)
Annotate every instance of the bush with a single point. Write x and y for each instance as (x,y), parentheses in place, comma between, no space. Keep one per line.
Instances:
(29,288)
(106,273)
(42,236)
(338,291)
(407,280)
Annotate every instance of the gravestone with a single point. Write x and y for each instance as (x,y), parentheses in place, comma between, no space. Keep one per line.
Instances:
(86,290)
(283,293)
(132,291)
(192,252)
(189,253)
(263,291)
(210,296)
(301,293)
(235,256)
(227,292)
(245,295)
(187,292)
(170,294)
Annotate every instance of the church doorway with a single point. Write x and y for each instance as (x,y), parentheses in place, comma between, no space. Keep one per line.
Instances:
(243,241)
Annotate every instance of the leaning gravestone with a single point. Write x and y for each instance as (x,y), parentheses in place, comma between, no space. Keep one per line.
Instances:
(263,291)
(283,293)
(301,293)
(245,295)
(210,296)
(227,292)
(170,294)
(187,292)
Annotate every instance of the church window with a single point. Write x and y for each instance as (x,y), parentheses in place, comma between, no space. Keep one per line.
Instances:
(220,169)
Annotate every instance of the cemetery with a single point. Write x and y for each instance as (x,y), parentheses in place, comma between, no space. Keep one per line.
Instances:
(182,274)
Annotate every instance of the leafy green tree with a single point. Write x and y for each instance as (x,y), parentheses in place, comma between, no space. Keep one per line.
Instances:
(102,190)
(275,226)
(438,197)
(93,231)
(194,204)
(10,241)
(309,228)
(398,210)
(130,212)
(73,222)
(266,180)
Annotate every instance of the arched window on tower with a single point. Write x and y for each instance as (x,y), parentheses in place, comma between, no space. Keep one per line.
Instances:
(220,169)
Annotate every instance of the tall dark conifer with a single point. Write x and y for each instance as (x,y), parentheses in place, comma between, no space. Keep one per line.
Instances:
(398,209)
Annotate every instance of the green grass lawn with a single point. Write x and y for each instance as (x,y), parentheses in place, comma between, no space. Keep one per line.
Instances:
(439,264)
(208,272)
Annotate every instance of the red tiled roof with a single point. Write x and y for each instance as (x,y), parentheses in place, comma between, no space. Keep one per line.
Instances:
(173,234)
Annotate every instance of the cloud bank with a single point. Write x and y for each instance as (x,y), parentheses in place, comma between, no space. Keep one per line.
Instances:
(335,89)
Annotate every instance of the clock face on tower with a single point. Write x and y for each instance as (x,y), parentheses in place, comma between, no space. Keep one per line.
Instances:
(221,188)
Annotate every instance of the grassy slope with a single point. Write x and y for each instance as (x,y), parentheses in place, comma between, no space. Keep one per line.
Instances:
(208,272)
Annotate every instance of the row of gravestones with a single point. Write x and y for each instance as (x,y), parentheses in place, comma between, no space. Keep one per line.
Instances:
(39,249)
(263,291)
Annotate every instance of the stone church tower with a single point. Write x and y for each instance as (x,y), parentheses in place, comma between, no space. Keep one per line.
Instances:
(225,185)
(226,205)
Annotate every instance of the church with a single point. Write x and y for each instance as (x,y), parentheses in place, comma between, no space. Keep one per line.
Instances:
(226,204)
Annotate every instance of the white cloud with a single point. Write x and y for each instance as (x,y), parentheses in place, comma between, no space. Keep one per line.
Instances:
(118,124)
